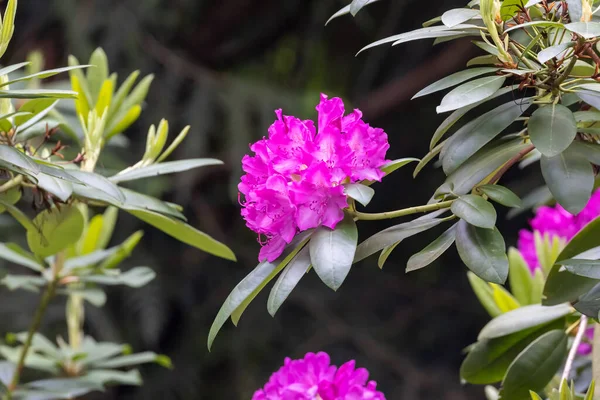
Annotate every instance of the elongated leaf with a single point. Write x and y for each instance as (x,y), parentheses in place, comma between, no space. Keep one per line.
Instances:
(570,178)
(288,280)
(457,16)
(520,278)
(552,129)
(428,158)
(100,183)
(587,268)
(473,136)
(138,201)
(483,251)
(535,366)
(501,195)
(129,360)
(422,33)
(475,210)
(58,187)
(357,5)
(346,10)
(15,254)
(332,252)
(170,167)
(535,23)
(56,229)
(43,74)
(470,93)
(395,164)
(489,359)
(553,51)
(433,251)
(589,151)
(38,94)
(359,192)
(106,377)
(587,30)
(392,235)
(249,286)
(510,8)
(589,303)
(484,293)
(10,155)
(523,318)
(455,79)
(185,233)
(135,277)
(458,114)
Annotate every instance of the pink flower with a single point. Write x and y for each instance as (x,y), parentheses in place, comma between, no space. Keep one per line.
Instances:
(555,222)
(313,378)
(294,181)
(558,222)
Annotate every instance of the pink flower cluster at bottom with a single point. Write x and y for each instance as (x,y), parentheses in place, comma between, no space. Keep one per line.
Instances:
(314,378)
(558,222)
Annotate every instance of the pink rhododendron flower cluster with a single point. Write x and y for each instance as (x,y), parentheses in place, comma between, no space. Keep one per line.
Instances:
(556,221)
(314,378)
(294,182)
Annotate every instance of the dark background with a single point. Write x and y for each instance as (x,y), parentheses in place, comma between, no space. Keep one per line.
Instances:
(223,66)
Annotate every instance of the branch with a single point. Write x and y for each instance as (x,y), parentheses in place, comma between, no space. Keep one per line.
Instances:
(403,212)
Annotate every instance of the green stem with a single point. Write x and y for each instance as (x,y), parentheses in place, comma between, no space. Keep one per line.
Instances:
(566,72)
(403,212)
(14,182)
(37,320)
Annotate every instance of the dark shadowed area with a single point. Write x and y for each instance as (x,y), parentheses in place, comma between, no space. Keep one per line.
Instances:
(224,66)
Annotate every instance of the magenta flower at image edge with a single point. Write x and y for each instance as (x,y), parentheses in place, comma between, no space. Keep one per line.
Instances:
(294,182)
(558,222)
(314,378)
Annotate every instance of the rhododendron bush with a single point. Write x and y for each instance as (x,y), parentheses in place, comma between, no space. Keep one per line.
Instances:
(531,99)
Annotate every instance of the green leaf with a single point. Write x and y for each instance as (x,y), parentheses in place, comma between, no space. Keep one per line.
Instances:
(62,388)
(395,164)
(587,30)
(483,251)
(37,94)
(357,5)
(551,52)
(475,210)
(135,201)
(456,78)
(123,251)
(523,318)
(11,196)
(105,377)
(288,280)
(13,157)
(7,369)
(89,259)
(428,157)
(484,293)
(433,251)
(122,93)
(505,301)
(185,233)
(26,282)
(535,366)
(8,25)
(14,253)
(163,169)
(359,192)
(394,234)
(346,10)
(510,8)
(95,296)
(501,195)
(98,73)
(58,187)
(249,287)
(43,74)
(34,108)
(19,216)
(570,178)
(589,303)
(130,360)
(586,268)
(100,183)
(590,392)
(489,359)
(135,277)
(332,251)
(458,114)
(470,93)
(457,16)
(473,136)
(56,229)
(482,164)
(549,24)
(552,129)
(424,33)
(520,278)
(589,151)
